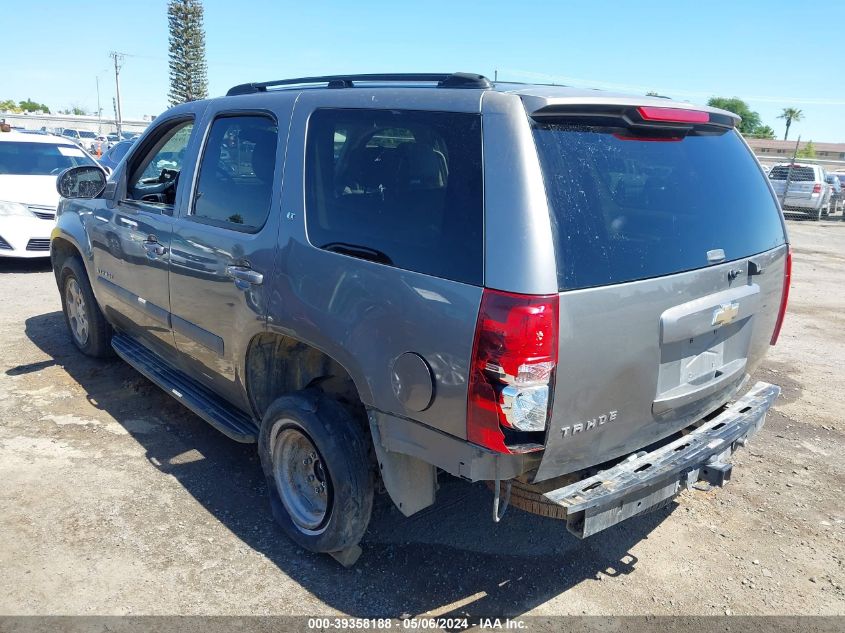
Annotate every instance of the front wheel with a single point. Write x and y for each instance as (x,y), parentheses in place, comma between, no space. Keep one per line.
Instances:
(89,330)
(315,458)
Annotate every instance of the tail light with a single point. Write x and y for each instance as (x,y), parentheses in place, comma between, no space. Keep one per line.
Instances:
(784,297)
(817,188)
(673,115)
(513,367)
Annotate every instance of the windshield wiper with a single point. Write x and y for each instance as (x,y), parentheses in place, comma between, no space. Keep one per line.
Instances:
(361,252)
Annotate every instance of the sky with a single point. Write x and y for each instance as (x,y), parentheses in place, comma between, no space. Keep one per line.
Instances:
(772,54)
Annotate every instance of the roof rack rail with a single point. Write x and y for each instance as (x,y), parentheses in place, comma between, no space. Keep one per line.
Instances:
(443,80)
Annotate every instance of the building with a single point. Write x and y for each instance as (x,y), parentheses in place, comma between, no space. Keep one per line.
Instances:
(29,121)
(782,150)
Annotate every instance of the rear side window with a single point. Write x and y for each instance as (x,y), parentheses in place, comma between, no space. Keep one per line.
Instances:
(402,188)
(799,173)
(235,184)
(627,208)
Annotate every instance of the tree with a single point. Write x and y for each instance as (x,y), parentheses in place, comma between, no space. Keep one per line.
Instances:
(33,106)
(808,151)
(750,119)
(188,70)
(764,131)
(9,105)
(74,109)
(791,115)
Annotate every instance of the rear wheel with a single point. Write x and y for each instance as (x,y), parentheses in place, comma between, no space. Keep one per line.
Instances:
(315,459)
(89,330)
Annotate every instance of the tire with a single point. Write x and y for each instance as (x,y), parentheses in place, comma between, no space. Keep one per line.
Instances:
(309,425)
(87,325)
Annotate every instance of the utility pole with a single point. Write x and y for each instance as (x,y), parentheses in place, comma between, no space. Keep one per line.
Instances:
(118,60)
(99,109)
(789,172)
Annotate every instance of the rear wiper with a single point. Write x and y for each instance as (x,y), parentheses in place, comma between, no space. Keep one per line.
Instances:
(361,252)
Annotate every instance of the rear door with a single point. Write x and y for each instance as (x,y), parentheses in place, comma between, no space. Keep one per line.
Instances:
(223,247)
(670,254)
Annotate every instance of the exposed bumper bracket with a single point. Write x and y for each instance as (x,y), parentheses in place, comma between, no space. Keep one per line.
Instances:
(639,483)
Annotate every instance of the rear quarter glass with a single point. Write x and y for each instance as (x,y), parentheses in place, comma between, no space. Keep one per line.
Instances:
(625,208)
(402,188)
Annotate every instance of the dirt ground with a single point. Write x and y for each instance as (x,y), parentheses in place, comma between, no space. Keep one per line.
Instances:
(115,500)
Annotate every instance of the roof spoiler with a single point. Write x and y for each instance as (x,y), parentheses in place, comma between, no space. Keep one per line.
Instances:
(633,116)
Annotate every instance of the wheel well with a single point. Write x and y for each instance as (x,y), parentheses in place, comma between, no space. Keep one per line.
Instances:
(278,364)
(60,250)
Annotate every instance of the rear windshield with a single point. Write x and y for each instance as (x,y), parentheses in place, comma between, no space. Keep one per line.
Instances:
(39,159)
(625,209)
(799,173)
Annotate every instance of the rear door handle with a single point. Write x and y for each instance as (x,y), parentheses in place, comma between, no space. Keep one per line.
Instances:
(244,276)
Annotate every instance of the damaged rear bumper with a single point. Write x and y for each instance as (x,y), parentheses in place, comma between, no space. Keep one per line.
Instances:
(640,482)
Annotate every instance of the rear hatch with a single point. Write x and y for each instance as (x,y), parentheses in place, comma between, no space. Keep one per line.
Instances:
(671,254)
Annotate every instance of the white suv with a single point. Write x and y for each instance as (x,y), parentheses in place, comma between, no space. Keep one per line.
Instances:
(808,192)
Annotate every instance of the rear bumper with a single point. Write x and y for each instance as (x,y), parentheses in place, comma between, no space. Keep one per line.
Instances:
(633,486)
(804,205)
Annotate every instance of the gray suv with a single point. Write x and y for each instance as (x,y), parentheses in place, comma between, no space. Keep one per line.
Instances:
(381,278)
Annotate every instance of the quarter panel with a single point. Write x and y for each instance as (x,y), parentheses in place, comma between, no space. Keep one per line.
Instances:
(519,250)
(364,314)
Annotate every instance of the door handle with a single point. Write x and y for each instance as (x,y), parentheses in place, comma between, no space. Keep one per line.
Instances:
(153,248)
(244,276)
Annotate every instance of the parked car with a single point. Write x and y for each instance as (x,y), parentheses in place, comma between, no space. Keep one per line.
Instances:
(413,274)
(836,197)
(29,164)
(808,193)
(84,138)
(114,155)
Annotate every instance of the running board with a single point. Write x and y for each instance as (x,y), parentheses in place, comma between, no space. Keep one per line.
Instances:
(227,419)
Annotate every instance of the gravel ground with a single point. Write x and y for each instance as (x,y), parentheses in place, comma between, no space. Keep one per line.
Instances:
(115,500)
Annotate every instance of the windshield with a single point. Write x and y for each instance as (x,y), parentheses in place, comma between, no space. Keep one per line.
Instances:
(39,159)
(626,208)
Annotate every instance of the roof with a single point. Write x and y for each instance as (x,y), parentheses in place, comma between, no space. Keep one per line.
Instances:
(534,96)
(21,137)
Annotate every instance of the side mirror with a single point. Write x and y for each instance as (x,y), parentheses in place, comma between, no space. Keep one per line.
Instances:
(87,181)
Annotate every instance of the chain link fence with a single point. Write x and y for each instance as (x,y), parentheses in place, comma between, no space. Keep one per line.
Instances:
(808,187)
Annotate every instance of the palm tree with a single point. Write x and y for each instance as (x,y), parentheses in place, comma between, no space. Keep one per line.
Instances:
(790,114)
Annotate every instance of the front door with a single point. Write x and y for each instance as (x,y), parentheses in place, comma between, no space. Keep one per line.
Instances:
(222,248)
(132,240)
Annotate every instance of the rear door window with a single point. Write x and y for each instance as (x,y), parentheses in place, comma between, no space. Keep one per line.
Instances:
(235,184)
(402,188)
(627,208)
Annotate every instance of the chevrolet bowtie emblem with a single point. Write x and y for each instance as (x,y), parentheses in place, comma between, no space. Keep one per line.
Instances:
(725,313)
